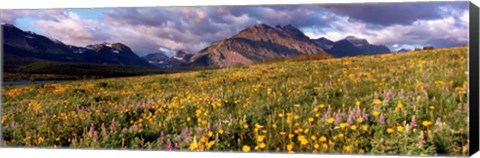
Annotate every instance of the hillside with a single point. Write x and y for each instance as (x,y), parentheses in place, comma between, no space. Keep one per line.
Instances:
(379,104)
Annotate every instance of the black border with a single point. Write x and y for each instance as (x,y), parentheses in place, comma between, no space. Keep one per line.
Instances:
(473,80)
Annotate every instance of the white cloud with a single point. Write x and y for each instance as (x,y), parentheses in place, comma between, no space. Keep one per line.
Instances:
(439,32)
(71,29)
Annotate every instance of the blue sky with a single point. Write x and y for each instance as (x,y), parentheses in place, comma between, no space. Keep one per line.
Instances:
(147,30)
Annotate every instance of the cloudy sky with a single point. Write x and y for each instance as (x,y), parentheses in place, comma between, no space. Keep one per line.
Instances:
(147,30)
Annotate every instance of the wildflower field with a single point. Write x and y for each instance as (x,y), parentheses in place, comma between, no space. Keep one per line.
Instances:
(411,103)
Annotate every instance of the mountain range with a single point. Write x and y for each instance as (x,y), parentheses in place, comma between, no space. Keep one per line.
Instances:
(24,47)
(350,46)
(161,60)
(257,43)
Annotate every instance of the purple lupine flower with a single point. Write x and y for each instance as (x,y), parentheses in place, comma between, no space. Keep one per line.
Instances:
(169,145)
(329,110)
(413,123)
(92,128)
(112,125)
(381,119)
(358,113)
(185,133)
(186,136)
(104,130)
(438,120)
(161,138)
(199,132)
(421,140)
(95,136)
(349,120)
(338,119)
(365,116)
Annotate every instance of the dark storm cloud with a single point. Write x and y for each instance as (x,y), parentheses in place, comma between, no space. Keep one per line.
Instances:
(394,13)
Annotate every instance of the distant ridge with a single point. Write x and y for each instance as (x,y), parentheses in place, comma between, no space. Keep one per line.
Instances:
(350,46)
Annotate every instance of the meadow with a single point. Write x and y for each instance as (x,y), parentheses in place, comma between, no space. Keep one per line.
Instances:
(411,103)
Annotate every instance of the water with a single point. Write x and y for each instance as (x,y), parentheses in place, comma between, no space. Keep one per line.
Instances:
(20,83)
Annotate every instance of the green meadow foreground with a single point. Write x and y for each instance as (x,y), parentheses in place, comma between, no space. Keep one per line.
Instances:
(407,103)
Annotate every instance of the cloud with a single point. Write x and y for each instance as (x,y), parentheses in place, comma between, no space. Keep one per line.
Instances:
(191,28)
(71,29)
(394,13)
(194,28)
(152,29)
(11,16)
(443,32)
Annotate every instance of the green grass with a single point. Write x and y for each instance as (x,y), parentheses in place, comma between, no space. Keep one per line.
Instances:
(304,105)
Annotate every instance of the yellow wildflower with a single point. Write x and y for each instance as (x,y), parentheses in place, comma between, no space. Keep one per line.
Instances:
(262,145)
(399,105)
(321,106)
(426,123)
(290,136)
(289,147)
(390,130)
(323,139)
(377,102)
(193,146)
(324,146)
(220,131)
(330,120)
(260,138)
(365,127)
(353,127)
(359,120)
(246,148)
(400,128)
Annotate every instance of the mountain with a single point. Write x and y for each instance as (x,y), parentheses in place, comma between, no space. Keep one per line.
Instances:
(324,43)
(25,47)
(257,43)
(403,50)
(350,46)
(156,58)
(161,60)
(116,53)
